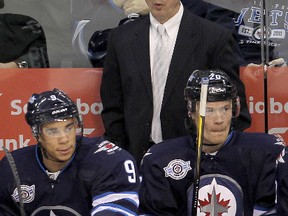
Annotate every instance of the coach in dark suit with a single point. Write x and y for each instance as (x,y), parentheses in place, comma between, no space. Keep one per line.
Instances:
(126,88)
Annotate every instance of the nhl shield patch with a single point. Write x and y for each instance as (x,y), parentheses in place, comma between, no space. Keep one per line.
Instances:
(177,169)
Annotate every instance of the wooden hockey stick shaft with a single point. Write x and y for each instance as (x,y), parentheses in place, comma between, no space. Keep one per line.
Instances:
(200,128)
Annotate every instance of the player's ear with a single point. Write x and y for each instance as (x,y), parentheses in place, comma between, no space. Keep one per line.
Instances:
(40,138)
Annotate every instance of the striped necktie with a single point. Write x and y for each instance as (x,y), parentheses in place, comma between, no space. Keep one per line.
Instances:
(159,76)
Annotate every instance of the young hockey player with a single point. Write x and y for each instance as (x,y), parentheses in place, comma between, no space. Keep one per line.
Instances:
(65,173)
(237,169)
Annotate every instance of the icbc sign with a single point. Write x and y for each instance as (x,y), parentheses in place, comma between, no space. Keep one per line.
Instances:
(276,98)
(17,85)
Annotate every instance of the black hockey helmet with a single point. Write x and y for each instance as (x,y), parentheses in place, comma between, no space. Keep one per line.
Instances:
(97,47)
(220,88)
(50,106)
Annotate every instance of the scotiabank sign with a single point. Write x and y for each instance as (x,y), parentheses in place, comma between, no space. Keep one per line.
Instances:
(83,86)
(275,96)
(17,85)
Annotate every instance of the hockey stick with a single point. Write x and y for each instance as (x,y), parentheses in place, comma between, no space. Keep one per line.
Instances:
(17,179)
(201,121)
(264,57)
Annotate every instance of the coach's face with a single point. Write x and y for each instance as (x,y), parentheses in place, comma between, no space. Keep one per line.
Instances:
(163,10)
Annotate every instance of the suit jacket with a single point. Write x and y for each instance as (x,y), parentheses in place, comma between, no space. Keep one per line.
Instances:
(126,89)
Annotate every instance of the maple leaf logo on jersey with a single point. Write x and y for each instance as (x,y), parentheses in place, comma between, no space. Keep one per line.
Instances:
(55,210)
(214,206)
(219,195)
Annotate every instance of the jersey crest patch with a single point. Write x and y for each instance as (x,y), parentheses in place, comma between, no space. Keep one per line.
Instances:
(27,193)
(107,146)
(177,169)
(218,195)
(55,211)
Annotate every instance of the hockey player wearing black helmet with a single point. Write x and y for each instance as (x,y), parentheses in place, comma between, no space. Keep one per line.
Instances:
(237,169)
(220,89)
(66,174)
(54,118)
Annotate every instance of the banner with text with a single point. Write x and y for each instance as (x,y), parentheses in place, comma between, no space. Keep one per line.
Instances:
(83,86)
(17,85)
(273,85)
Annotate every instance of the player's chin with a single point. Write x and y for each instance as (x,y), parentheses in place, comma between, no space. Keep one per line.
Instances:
(64,158)
(65,154)
(217,137)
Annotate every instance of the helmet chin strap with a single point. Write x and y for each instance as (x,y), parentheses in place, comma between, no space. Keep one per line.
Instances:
(205,144)
(43,150)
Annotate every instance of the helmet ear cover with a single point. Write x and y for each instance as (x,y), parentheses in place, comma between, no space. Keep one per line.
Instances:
(235,107)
